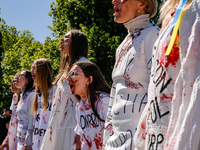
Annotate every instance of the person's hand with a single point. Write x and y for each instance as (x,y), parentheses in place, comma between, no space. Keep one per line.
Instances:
(103,147)
(27,147)
(78,141)
(4,144)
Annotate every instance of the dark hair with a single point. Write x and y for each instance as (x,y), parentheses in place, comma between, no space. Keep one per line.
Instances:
(98,83)
(78,49)
(29,86)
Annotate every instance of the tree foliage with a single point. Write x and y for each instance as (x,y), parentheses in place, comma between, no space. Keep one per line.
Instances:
(94,17)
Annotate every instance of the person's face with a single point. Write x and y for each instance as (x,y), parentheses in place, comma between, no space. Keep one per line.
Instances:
(65,43)
(33,70)
(13,87)
(78,82)
(22,81)
(125,10)
(7,113)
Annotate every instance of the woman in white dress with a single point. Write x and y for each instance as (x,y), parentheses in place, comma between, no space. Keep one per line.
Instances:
(131,72)
(44,92)
(25,84)
(171,119)
(92,91)
(60,133)
(11,141)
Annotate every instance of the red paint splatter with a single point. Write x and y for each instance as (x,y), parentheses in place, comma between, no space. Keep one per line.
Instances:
(130,84)
(98,139)
(88,142)
(143,125)
(173,57)
(143,136)
(165,98)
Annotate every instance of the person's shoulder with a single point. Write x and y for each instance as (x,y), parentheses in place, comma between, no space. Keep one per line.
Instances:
(153,29)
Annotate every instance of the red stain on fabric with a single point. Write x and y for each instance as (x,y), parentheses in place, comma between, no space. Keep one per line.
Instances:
(88,142)
(130,84)
(143,125)
(165,98)
(173,57)
(98,139)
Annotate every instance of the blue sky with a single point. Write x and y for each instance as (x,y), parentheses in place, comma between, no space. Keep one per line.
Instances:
(31,15)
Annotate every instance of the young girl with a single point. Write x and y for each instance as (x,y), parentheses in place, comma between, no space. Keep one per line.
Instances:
(60,132)
(11,140)
(25,84)
(88,85)
(41,108)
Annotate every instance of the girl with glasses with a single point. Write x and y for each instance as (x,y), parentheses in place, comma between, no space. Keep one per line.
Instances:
(92,91)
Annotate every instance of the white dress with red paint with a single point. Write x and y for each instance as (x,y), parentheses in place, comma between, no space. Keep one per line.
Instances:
(130,83)
(23,116)
(60,133)
(171,119)
(12,131)
(41,119)
(89,127)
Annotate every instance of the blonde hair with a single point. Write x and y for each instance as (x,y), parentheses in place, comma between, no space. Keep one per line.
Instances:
(43,82)
(151,7)
(166,10)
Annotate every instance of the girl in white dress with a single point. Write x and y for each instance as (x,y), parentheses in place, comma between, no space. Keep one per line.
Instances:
(44,92)
(25,83)
(60,133)
(92,91)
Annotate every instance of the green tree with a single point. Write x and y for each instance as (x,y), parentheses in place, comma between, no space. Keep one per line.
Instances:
(18,51)
(95,18)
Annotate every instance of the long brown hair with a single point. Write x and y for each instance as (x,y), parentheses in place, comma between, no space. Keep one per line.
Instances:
(98,83)
(78,49)
(43,82)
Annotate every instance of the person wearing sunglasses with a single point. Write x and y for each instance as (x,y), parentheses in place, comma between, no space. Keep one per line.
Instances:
(24,104)
(92,92)
(60,131)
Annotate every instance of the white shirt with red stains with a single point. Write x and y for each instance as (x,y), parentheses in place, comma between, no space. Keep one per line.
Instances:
(89,127)
(62,121)
(12,131)
(171,118)
(130,83)
(41,119)
(23,116)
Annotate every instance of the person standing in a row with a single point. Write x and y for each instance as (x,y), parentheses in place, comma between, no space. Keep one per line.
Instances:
(60,131)
(131,72)
(24,115)
(92,92)
(171,119)
(44,93)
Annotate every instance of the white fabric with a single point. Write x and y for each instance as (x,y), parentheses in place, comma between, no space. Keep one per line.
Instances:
(171,119)
(23,116)
(89,127)
(130,83)
(60,133)
(12,131)
(41,119)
